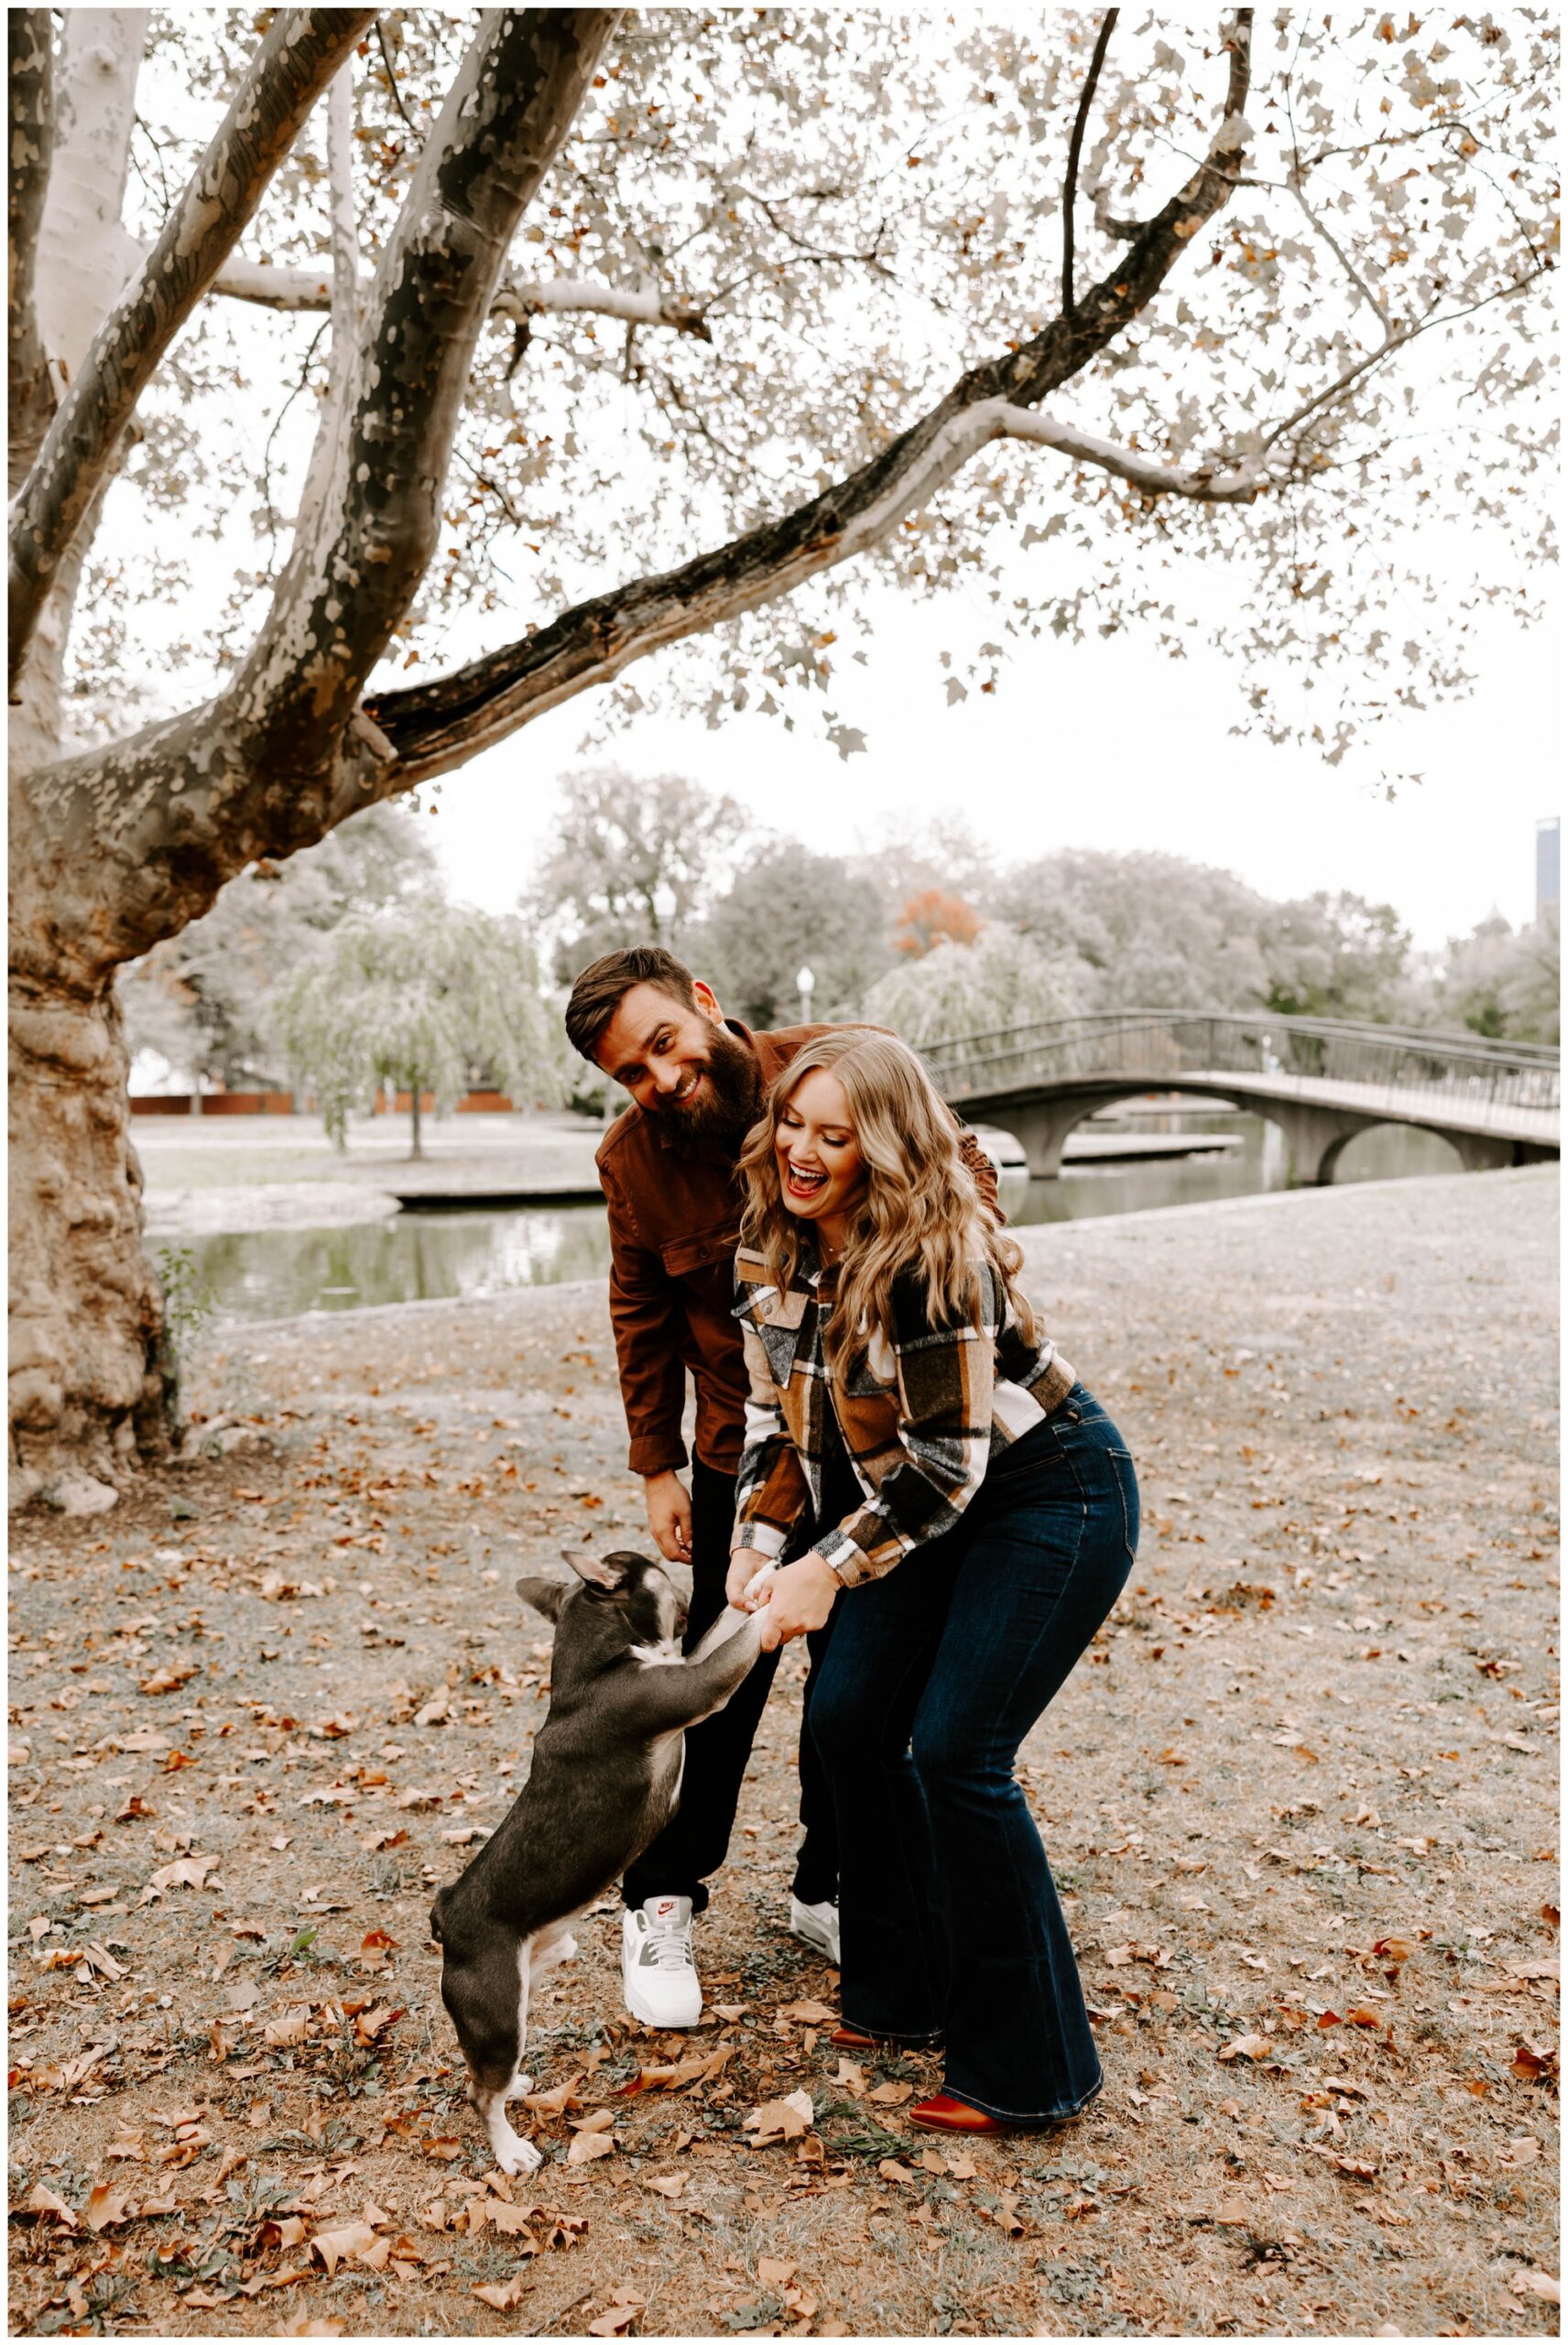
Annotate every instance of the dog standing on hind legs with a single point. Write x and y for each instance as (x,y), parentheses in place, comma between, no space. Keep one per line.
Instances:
(605,1782)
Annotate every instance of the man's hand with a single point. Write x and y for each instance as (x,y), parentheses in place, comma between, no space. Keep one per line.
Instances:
(800,1597)
(744,1565)
(669,1515)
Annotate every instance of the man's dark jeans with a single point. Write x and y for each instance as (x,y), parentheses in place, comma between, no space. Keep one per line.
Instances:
(936,1673)
(694,1844)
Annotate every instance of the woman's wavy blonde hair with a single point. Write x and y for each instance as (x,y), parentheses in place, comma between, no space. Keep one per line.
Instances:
(922,1210)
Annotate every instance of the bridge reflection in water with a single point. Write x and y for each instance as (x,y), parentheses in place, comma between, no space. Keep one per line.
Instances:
(1321,1080)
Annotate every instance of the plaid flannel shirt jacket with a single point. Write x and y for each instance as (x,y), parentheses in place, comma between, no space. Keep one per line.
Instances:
(921,1417)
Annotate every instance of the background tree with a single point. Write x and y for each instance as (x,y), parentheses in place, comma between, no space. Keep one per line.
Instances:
(787,908)
(1338,956)
(202,1000)
(792,290)
(1001,979)
(428,997)
(1507,983)
(631,861)
(931,917)
(1155,933)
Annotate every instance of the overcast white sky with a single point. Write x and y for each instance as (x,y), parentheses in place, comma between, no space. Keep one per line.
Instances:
(1096,744)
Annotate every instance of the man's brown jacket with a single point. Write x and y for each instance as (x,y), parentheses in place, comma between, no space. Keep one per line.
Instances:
(674,1228)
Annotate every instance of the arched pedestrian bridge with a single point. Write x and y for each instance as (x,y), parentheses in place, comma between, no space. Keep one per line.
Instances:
(1321,1080)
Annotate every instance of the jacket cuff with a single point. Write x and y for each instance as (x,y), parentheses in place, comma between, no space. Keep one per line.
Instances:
(656,1453)
(843,1559)
(761,1538)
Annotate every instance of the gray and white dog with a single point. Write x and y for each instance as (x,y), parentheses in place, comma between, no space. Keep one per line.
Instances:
(606,1779)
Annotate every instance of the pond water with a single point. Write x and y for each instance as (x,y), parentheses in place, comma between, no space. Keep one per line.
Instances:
(414,1257)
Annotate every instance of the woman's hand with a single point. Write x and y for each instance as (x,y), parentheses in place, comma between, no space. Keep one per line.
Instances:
(745,1565)
(798,1597)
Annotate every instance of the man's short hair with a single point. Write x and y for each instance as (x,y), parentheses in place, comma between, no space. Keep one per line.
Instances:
(605,983)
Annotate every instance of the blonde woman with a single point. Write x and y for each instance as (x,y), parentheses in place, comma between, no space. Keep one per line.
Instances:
(924,1466)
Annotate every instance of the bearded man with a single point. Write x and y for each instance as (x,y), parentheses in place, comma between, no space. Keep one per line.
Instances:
(668,1170)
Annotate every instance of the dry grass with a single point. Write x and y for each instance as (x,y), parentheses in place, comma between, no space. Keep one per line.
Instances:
(1300,1798)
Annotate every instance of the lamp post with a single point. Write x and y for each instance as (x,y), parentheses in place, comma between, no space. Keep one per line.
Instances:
(808,986)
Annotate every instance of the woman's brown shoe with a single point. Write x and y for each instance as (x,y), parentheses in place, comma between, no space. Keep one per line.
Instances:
(850,2039)
(942,2114)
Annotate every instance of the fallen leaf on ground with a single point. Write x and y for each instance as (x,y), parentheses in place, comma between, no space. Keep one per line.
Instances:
(625,2307)
(170,1677)
(1533,2063)
(557,2099)
(186,1873)
(351,2239)
(774,2271)
(890,2094)
(1245,2047)
(1537,2284)
(106,2204)
(590,2145)
(668,2186)
(779,2120)
(504,2296)
(292,2027)
(41,2200)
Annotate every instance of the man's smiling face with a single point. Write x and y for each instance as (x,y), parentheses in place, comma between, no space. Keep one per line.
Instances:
(679,1064)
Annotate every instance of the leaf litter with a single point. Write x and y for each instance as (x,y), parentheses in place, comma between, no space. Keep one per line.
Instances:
(1351,2014)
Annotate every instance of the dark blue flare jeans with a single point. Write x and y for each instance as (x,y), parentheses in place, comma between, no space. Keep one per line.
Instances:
(936,1672)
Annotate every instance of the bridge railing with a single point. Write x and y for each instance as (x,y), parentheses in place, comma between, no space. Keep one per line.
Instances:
(1393,1062)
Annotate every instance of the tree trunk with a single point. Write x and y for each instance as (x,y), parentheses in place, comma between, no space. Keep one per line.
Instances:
(86,1374)
(417,1152)
(86,1377)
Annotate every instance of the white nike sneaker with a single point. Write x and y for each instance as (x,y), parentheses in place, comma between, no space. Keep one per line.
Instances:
(817,1925)
(659,1976)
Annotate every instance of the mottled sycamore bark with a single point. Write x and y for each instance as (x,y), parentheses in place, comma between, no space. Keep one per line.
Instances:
(30,59)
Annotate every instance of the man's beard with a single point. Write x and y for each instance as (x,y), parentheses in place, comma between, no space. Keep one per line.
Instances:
(724,1105)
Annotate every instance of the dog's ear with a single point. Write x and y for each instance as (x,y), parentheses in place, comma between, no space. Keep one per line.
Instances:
(546,1596)
(609,1573)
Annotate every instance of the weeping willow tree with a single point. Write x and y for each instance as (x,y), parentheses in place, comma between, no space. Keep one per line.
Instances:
(425,998)
(618,333)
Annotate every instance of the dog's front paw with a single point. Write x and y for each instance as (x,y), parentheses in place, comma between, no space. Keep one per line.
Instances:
(522,2158)
(568,1948)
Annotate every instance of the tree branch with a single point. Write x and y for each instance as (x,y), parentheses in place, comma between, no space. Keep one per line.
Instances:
(1337,249)
(1390,347)
(294,63)
(1107,24)
(435,726)
(351,578)
(344,219)
(1203,486)
(276,287)
(30,57)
